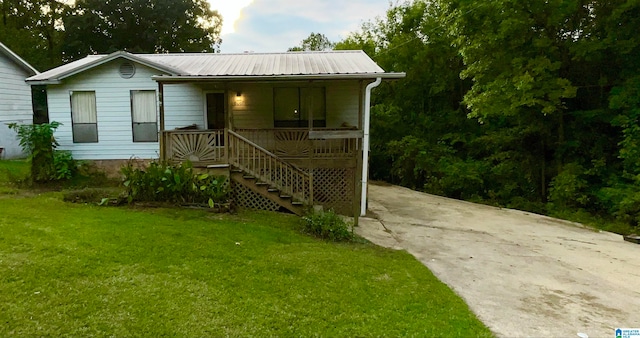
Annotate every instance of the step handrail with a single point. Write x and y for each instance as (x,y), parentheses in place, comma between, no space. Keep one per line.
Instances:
(269,168)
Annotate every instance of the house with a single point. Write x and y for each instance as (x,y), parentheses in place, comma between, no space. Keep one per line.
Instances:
(289,128)
(15,100)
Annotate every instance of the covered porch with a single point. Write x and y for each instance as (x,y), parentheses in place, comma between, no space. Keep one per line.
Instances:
(247,127)
(293,126)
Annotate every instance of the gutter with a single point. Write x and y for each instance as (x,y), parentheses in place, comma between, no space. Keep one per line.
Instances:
(365,144)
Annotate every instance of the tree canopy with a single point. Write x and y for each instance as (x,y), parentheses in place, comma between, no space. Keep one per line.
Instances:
(48,33)
(33,29)
(525,104)
(141,26)
(314,42)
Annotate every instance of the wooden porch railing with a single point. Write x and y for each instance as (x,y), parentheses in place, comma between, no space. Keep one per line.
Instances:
(297,143)
(197,146)
(269,168)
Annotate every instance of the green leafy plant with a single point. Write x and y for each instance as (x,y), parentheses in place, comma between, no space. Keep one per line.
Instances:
(160,182)
(327,225)
(38,142)
(64,165)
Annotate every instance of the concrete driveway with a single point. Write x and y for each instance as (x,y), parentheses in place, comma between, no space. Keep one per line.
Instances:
(522,274)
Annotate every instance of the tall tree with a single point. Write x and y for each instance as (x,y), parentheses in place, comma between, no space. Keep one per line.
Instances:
(34,30)
(314,42)
(143,26)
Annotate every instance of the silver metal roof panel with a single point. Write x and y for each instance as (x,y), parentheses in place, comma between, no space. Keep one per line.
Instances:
(226,66)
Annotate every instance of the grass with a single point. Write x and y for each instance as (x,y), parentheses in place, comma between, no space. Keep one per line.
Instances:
(596,222)
(10,171)
(81,270)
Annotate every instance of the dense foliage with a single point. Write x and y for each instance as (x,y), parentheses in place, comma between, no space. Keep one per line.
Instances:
(160,182)
(48,33)
(525,104)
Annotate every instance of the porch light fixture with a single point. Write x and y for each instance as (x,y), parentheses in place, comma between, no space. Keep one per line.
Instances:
(239,99)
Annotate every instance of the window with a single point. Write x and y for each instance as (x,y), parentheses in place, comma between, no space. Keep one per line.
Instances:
(293,106)
(84,117)
(143,116)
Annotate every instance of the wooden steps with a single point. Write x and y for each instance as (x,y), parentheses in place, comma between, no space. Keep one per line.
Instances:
(268,191)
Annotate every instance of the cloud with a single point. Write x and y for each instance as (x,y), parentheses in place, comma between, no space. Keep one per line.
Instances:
(276,25)
(230,11)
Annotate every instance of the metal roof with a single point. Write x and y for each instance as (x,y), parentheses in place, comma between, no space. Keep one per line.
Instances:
(18,60)
(253,64)
(190,66)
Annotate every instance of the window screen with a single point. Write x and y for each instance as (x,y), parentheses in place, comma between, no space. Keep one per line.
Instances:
(84,117)
(143,116)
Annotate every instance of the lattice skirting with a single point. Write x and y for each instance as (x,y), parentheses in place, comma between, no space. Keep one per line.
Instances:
(333,188)
(247,198)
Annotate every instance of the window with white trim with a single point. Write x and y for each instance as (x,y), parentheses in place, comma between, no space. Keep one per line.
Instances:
(84,117)
(144,116)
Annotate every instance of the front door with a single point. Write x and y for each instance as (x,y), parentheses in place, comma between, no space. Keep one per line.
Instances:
(215,111)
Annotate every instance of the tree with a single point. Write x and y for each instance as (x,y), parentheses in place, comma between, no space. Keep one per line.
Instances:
(33,29)
(141,26)
(314,42)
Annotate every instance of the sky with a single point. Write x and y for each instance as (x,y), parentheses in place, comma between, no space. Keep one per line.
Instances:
(276,25)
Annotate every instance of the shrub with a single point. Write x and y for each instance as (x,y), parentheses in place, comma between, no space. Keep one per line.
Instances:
(568,188)
(327,225)
(176,184)
(65,167)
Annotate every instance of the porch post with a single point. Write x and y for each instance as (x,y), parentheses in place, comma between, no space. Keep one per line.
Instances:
(161,138)
(360,104)
(312,164)
(357,189)
(230,104)
(228,122)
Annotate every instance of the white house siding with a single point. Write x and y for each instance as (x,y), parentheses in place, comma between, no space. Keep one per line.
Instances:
(15,105)
(254,108)
(343,104)
(183,106)
(115,135)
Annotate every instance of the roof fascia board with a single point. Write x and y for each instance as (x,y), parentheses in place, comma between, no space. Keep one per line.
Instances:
(43,82)
(18,60)
(387,76)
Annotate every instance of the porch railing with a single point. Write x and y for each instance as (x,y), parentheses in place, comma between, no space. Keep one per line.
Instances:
(197,146)
(204,147)
(269,168)
(297,143)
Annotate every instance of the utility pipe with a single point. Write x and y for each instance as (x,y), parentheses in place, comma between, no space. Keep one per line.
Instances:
(365,144)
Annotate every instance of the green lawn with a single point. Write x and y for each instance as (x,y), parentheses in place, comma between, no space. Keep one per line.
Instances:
(11,170)
(81,270)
